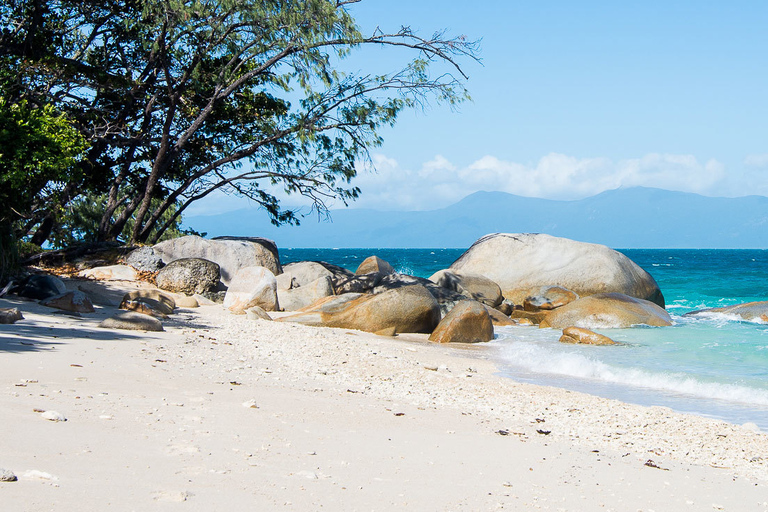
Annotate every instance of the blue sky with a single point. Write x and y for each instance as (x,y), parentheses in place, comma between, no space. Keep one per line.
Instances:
(574,98)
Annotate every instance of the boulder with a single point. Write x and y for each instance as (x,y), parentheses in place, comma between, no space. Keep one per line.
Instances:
(497,317)
(303,296)
(75,301)
(144,304)
(189,276)
(522,263)
(548,298)
(301,274)
(110,273)
(406,309)
(252,286)
(749,311)
(157,295)
(607,311)
(374,264)
(10,315)
(467,322)
(133,322)
(472,286)
(41,287)
(364,283)
(582,336)
(144,259)
(445,298)
(230,253)
(506,307)
(185,301)
(257,313)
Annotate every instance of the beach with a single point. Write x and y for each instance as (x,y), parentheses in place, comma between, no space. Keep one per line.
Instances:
(221,412)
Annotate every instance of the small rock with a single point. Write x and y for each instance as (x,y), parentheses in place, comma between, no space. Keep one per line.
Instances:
(53,416)
(10,315)
(251,404)
(582,336)
(7,475)
(74,301)
(133,322)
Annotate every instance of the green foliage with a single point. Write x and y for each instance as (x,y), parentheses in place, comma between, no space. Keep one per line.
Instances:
(38,152)
(179,98)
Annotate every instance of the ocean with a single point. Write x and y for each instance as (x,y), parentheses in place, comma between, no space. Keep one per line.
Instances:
(712,365)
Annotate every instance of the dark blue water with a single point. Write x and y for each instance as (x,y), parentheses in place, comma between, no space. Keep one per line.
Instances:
(715,365)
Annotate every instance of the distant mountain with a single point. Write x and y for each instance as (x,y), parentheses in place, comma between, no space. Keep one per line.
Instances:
(623,218)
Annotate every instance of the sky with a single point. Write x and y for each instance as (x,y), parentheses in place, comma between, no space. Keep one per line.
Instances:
(575,98)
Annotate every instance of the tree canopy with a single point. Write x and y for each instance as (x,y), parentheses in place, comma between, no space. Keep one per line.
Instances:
(180,98)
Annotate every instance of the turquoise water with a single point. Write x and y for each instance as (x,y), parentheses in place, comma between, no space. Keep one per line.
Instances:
(710,365)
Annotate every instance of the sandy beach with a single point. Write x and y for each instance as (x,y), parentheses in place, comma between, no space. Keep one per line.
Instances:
(220,412)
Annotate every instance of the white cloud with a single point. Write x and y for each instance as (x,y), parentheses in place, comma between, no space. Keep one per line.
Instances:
(555,176)
(759,161)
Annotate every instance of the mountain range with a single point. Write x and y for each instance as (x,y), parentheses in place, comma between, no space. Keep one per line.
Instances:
(624,218)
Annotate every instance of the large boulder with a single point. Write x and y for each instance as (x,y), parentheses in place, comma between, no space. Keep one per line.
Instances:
(467,322)
(305,295)
(302,273)
(252,286)
(445,297)
(374,264)
(230,253)
(474,286)
(607,311)
(189,276)
(748,311)
(144,259)
(74,301)
(522,263)
(41,287)
(401,310)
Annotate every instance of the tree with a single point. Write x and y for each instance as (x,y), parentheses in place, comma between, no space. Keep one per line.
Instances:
(179,98)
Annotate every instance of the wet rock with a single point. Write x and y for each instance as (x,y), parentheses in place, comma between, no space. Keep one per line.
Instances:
(749,311)
(467,322)
(578,335)
(607,311)
(133,322)
(74,301)
(189,276)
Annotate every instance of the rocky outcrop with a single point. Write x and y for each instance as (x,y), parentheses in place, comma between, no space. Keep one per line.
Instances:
(230,253)
(749,311)
(189,276)
(472,286)
(144,259)
(578,335)
(74,301)
(548,298)
(374,264)
(133,322)
(252,286)
(40,287)
(522,263)
(302,273)
(406,309)
(110,273)
(467,322)
(607,311)
(305,295)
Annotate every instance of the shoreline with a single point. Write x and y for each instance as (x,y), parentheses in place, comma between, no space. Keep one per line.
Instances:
(342,417)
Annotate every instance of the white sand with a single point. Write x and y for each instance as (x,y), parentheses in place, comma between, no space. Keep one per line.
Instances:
(223,413)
